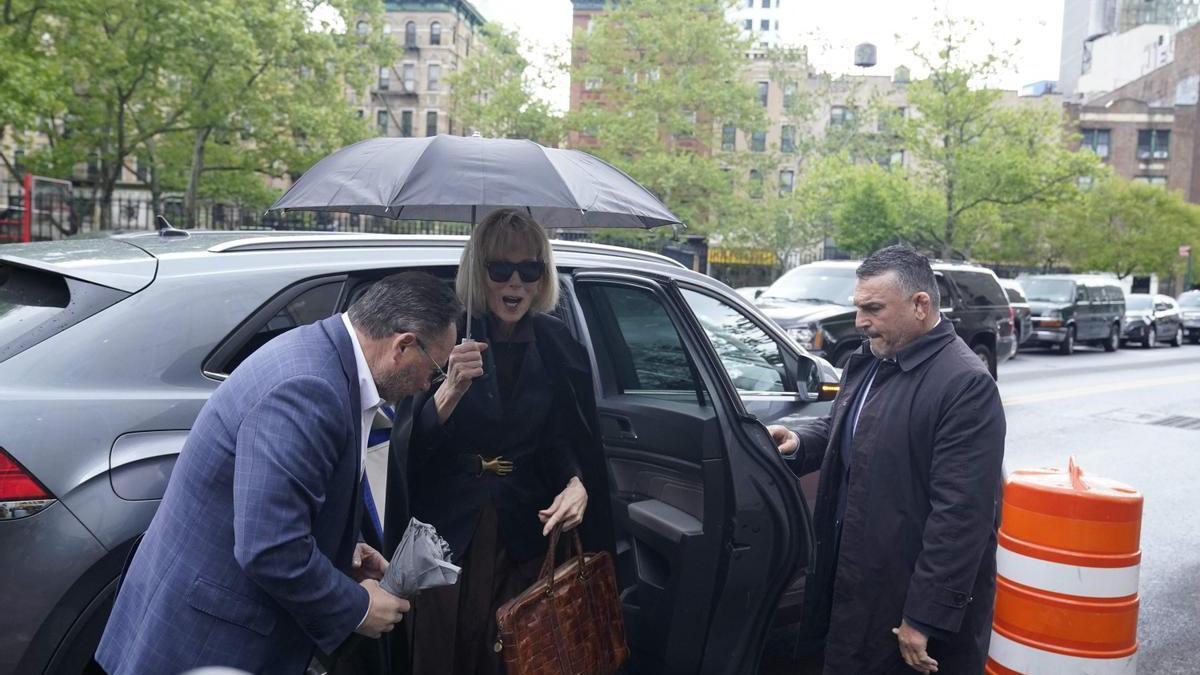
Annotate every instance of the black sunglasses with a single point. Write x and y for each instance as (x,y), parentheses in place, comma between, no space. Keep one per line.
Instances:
(530,270)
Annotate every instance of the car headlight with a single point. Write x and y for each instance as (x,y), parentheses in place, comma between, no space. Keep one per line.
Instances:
(808,335)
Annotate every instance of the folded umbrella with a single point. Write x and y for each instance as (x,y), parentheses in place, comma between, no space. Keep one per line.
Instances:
(421,561)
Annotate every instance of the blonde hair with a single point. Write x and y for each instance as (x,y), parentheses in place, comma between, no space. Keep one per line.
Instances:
(504,230)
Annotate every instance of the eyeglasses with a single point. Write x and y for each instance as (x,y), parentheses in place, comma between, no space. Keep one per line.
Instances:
(441,374)
(530,271)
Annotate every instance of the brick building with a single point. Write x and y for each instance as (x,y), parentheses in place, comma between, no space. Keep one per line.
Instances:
(1148,130)
(411,97)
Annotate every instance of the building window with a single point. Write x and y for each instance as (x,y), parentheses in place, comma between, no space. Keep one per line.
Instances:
(1153,144)
(748,24)
(406,119)
(435,33)
(410,34)
(749,4)
(1097,140)
(765,24)
(789,95)
(142,170)
(384,78)
(591,84)
(435,76)
(763,88)
(787,139)
(431,123)
(756,183)
(758,141)
(729,137)
(381,121)
(362,28)
(897,158)
(387,28)
(766,4)
(840,115)
(410,77)
(1151,180)
(1084,182)
(787,181)
(360,114)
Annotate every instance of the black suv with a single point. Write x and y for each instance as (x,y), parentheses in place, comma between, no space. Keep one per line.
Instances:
(814,303)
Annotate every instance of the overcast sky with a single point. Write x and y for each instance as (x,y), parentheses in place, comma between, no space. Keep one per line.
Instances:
(831,30)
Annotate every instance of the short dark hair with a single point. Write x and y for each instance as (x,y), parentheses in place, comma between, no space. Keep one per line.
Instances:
(911,268)
(413,302)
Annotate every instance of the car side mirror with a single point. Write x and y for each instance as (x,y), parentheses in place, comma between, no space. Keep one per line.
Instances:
(819,380)
(758,293)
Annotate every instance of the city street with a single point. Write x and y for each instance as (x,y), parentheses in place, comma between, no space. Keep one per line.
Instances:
(1109,411)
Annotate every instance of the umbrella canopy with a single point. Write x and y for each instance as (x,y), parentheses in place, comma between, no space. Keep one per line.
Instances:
(461,179)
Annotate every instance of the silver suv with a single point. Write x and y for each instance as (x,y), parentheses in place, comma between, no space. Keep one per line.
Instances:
(110,346)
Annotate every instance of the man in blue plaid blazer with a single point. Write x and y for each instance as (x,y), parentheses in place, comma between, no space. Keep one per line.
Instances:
(254,559)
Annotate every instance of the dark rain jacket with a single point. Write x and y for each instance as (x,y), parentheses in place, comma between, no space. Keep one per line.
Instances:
(918,538)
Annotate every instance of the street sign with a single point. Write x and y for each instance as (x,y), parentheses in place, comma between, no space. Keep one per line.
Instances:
(1185,251)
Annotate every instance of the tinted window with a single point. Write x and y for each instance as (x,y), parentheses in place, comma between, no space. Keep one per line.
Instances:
(979,289)
(818,284)
(1014,295)
(645,348)
(310,306)
(35,305)
(1081,294)
(752,359)
(1115,294)
(1049,290)
(947,295)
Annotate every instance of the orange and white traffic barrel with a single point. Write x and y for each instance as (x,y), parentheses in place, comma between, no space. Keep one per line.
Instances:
(1067,575)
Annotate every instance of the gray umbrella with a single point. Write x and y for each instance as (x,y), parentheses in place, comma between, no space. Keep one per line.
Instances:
(463,178)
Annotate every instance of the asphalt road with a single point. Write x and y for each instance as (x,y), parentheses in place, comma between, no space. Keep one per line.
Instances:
(1108,410)
(1132,416)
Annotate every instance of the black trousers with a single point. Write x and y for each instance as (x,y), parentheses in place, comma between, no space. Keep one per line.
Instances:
(454,627)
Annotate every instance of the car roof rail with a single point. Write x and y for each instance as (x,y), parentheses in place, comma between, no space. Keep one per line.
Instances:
(366,240)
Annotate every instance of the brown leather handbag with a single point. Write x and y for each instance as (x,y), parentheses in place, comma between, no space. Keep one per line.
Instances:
(568,622)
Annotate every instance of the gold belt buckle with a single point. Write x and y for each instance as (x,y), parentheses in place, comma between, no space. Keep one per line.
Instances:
(496,465)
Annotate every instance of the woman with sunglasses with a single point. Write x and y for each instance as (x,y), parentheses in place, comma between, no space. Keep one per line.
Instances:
(499,453)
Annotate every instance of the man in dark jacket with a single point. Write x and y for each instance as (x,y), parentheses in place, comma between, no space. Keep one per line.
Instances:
(909,497)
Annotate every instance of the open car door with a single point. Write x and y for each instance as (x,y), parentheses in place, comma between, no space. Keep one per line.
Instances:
(708,519)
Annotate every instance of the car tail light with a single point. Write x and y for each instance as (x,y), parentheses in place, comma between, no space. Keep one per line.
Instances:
(21,494)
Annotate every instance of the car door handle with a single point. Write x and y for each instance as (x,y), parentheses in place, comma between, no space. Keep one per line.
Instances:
(624,430)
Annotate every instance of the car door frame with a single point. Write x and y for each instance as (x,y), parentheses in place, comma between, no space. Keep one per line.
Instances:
(736,632)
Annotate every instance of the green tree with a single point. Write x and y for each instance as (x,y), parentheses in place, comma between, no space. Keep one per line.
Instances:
(251,81)
(1127,228)
(982,156)
(494,91)
(667,76)
(31,78)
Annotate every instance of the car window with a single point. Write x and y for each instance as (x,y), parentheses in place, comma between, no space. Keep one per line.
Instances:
(947,295)
(35,305)
(1081,293)
(1048,290)
(637,334)
(1137,303)
(1014,295)
(1190,300)
(979,289)
(753,360)
(309,306)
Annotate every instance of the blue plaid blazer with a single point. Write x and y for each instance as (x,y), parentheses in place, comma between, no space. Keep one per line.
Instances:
(243,564)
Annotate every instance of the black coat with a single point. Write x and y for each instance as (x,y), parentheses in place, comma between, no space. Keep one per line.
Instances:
(918,538)
(549,431)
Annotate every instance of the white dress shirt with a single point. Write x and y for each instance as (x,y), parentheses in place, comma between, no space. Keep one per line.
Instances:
(368,394)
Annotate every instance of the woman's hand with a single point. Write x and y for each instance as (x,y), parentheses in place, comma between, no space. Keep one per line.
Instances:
(466,364)
(568,507)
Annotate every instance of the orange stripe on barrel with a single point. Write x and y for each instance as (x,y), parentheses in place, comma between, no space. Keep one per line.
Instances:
(1086,627)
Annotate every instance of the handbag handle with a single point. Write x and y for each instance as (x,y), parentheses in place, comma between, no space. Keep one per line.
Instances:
(548,565)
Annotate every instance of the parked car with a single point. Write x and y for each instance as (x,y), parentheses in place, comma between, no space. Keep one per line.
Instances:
(1150,319)
(1069,310)
(109,347)
(1022,314)
(1189,306)
(814,303)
